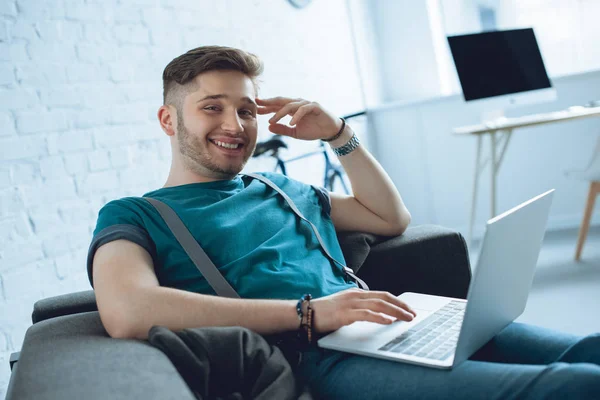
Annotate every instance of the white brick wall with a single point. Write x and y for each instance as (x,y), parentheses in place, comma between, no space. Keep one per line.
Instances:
(80,83)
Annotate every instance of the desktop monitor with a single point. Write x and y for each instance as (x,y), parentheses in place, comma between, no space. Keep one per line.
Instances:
(501,69)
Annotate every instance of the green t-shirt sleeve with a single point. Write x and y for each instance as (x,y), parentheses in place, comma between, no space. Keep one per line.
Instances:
(119,219)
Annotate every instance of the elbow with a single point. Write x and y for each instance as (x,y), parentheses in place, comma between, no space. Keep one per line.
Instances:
(120,325)
(402,224)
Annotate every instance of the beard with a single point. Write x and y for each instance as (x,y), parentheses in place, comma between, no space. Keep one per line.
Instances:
(198,158)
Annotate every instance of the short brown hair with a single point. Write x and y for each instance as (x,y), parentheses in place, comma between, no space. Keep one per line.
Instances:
(183,69)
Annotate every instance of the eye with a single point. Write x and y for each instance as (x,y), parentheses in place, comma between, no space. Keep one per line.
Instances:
(247,112)
(211,108)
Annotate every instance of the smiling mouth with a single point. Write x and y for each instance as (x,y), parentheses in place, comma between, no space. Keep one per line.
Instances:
(233,148)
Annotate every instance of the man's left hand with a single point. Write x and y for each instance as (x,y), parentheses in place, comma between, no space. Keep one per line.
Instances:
(310,121)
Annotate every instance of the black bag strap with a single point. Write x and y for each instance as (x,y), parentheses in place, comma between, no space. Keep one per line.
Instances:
(292,205)
(193,249)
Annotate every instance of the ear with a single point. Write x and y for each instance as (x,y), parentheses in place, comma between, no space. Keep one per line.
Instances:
(167,116)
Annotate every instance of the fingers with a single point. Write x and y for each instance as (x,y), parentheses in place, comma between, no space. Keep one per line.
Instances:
(370,316)
(288,109)
(382,306)
(386,296)
(275,101)
(280,129)
(302,111)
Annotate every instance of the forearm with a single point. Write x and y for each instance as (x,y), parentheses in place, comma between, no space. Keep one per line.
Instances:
(371,185)
(178,309)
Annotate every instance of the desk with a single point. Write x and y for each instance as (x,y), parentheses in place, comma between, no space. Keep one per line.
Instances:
(500,131)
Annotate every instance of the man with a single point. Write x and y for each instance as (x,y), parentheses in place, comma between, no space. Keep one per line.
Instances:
(142,277)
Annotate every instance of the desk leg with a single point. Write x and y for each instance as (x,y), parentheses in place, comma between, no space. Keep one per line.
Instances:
(475,187)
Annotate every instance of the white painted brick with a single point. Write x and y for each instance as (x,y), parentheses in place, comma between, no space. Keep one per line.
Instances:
(3,31)
(55,244)
(52,167)
(7,74)
(14,148)
(95,53)
(66,95)
(132,53)
(111,136)
(104,94)
(119,157)
(5,180)
(130,113)
(42,52)
(126,13)
(27,282)
(15,227)
(98,182)
(73,264)
(25,171)
(121,73)
(40,74)
(14,52)
(99,160)
(4,347)
(148,131)
(50,192)
(138,91)
(76,164)
(34,122)
(10,201)
(18,254)
(59,30)
(16,99)
(88,118)
(77,73)
(76,10)
(77,211)
(96,32)
(8,7)
(138,176)
(40,9)
(7,125)
(45,219)
(22,29)
(133,34)
(69,141)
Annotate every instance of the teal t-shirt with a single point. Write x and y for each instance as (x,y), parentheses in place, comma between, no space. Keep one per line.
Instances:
(245,227)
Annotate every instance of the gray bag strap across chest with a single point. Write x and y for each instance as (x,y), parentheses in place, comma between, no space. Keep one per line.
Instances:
(204,264)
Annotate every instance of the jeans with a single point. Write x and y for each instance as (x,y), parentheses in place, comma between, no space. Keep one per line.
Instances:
(521,362)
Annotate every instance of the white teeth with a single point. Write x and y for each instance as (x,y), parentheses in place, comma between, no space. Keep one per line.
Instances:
(227,145)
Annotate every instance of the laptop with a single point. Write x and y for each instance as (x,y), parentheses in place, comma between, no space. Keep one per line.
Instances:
(447,331)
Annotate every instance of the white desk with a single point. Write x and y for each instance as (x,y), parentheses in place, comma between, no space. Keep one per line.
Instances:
(500,131)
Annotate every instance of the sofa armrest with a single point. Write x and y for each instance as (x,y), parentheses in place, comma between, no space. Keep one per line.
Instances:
(424,259)
(66,304)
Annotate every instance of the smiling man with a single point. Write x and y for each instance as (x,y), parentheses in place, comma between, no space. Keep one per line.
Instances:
(142,277)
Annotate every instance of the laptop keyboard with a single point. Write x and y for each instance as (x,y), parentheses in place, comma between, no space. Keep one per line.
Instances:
(435,337)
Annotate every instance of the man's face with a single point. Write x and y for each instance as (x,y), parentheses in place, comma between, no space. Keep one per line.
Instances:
(217,128)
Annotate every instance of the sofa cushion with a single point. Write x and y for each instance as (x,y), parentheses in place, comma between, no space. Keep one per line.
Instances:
(72,357)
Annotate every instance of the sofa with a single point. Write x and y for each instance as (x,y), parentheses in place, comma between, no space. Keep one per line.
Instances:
(67,353)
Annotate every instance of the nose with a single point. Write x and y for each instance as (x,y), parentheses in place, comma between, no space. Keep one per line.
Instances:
(231,122)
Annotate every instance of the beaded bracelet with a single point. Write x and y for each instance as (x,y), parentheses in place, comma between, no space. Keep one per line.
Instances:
(337,135)
(306,297)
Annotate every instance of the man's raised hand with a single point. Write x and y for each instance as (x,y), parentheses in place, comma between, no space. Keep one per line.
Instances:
(310,121)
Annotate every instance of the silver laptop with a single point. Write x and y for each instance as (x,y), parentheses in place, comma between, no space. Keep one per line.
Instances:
(446,330)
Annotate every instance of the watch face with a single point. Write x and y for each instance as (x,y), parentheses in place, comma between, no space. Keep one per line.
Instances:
(299,3)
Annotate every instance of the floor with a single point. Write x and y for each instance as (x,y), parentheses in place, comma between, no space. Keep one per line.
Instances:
(565,294)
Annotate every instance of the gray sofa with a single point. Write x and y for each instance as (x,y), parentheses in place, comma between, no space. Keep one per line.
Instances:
(67,354)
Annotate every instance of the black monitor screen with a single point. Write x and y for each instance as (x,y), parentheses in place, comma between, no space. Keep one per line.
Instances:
(497,63)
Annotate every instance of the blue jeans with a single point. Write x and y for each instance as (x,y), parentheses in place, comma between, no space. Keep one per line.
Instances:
(522,361)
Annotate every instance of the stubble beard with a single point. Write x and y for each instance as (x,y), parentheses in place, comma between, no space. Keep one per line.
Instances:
(198,159)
